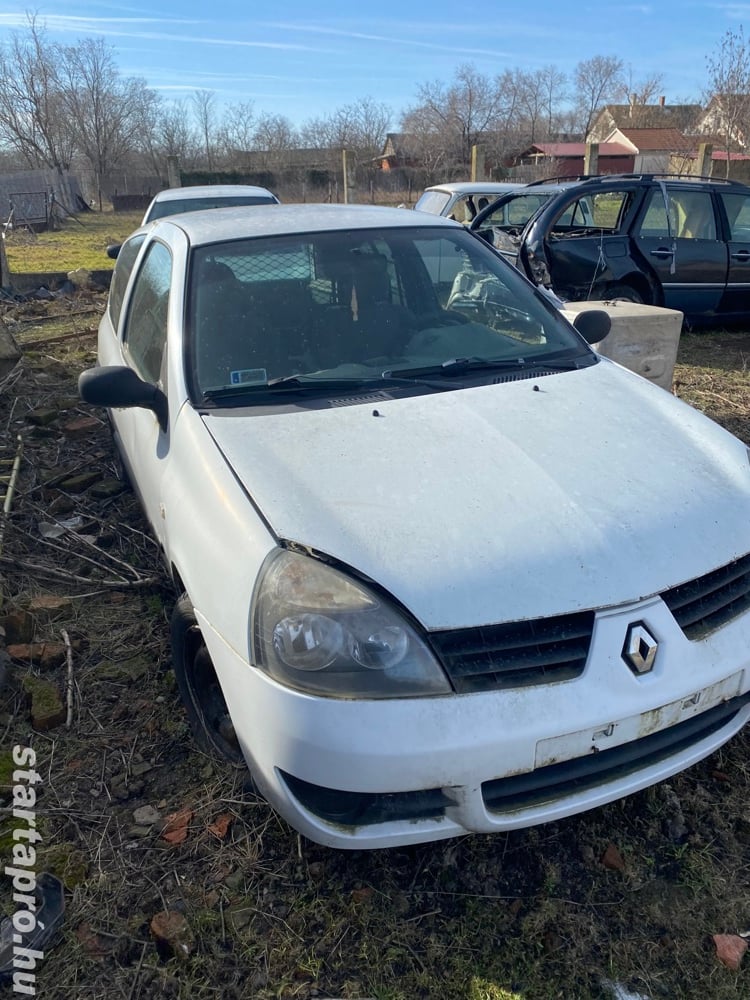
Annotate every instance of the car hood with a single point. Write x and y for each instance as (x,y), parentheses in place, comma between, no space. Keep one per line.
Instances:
(524,499)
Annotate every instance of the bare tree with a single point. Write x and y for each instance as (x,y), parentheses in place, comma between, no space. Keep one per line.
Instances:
(729,85)
(274,136)
(540,95)
(471,109)
(236,133)
(361,128)
(639,91)
(597,81)
(204,106)
(104,111)
(421,142)
(32,120)
(170,133)
(553,84)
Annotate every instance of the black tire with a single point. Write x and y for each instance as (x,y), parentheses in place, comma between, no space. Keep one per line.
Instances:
(625,293)
(199,687)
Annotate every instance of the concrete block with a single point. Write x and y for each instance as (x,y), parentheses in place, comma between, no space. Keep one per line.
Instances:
(643,338)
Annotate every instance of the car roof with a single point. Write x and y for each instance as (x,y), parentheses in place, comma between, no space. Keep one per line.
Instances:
(599,180)
(552,188)
(210,190)
(220,224)
(476,187)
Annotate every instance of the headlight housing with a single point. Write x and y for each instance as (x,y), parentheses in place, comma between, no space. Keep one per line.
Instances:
(319,631)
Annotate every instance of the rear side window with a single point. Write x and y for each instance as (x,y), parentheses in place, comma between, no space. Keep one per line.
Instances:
(682,215)
(737,207)
(121,276)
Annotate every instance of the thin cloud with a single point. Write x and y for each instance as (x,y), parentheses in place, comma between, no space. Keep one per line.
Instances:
(109,27)
(386,39)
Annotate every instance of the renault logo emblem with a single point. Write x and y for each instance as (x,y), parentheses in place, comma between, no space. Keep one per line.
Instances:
(639,651)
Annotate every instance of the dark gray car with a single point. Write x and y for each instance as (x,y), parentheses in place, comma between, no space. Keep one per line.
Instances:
(665,240)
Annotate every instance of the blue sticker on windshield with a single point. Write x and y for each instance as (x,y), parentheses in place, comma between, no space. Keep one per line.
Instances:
(245,375)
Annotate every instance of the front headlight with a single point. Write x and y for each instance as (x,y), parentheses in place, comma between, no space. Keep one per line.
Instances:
(319,631)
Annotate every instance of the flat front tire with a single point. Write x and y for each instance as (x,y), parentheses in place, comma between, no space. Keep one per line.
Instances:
(199,687)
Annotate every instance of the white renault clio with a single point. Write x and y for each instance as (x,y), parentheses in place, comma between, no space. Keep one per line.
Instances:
(442,568)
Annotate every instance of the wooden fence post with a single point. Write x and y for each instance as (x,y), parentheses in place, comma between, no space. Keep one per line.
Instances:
(477,163)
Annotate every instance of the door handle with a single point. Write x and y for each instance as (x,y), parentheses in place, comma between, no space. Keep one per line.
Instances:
(741,255)
(662,252)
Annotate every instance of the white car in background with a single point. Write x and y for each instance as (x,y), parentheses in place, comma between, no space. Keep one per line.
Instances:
(172,201)
(462,200)
(442,568)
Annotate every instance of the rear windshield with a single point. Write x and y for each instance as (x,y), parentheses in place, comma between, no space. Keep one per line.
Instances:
(163,208)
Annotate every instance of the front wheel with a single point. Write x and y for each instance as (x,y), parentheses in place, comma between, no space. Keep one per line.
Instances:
(199,687)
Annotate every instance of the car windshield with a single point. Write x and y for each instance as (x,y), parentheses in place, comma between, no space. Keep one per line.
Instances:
(353,306)
(175,206)
(433,202)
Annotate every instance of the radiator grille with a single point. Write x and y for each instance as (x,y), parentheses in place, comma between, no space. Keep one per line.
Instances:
(708,602)
(509,655)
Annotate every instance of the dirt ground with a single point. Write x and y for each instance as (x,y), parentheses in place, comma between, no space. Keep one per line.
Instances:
(180,882)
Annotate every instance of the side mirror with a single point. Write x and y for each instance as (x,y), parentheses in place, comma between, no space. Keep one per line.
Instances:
(593,325)
(113,250)
(117,385)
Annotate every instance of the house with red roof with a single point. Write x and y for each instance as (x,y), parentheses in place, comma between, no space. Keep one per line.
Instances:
(653,148)
(567,159)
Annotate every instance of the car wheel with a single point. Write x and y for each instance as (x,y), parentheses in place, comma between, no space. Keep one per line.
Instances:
(625,293)
(199,687)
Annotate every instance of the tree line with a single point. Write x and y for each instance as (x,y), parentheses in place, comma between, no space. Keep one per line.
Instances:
(66,106)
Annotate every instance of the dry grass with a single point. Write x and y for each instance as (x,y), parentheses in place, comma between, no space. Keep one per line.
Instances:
(81,241)
(530,915)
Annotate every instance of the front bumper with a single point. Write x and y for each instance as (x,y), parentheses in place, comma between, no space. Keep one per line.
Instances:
(370,774)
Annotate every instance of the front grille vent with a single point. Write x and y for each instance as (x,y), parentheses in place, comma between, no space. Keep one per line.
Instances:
(708,602)
(364,397)
(518,653)
(520,376)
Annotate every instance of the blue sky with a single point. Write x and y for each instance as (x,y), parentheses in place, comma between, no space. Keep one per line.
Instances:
(304,60)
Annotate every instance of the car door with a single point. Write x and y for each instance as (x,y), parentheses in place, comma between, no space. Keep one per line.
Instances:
(736,206)
(144,441)
(504,220)
(678,236)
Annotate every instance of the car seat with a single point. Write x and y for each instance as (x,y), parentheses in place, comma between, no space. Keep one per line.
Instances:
(361,322)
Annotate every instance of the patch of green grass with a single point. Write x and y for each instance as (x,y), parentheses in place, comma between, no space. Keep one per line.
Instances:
(81,241)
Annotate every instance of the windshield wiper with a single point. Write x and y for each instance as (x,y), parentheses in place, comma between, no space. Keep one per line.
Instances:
(460,366)
(284,384)
(309,385)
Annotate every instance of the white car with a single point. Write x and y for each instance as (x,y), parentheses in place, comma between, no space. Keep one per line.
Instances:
(443,569)
(172,201)
(462,200)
